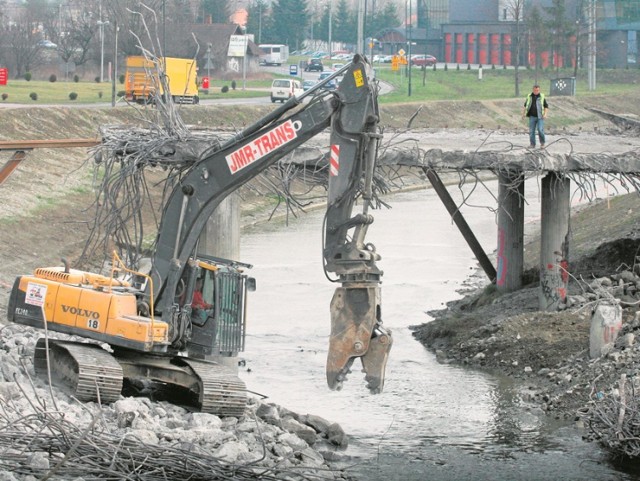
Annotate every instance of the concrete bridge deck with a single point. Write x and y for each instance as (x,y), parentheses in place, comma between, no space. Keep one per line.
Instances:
(581,157)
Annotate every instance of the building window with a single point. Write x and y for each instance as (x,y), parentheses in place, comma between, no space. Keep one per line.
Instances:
(628,12)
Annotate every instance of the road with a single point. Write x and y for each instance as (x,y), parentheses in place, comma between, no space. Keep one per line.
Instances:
(282,70)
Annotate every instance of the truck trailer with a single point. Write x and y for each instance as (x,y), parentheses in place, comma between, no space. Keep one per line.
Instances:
(142,79)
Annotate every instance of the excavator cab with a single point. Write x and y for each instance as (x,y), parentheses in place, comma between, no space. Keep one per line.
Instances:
(215,298)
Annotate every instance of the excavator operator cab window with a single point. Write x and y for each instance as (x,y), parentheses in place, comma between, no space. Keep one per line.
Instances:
(203,303)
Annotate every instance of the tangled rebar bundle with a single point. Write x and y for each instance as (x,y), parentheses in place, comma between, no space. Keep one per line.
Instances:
(613,417)
(137,169)
(50,444)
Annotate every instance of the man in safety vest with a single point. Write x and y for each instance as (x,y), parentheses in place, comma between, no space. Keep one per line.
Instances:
(535,107)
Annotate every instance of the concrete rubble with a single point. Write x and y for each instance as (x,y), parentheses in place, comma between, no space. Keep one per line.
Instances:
(549,352)
(268,438)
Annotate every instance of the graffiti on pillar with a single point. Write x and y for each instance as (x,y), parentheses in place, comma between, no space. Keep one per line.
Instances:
(563,266)
(611,332)
(549,287)
(502,260)
(553,283)
(564,270)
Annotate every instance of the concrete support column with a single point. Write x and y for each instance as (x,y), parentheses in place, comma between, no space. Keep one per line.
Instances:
(221,238)
(510,259)
(554,248)
(221,235)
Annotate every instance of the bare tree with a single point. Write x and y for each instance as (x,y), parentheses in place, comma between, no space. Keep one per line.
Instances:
(537,34)
(4,22)
(515,10)
(139,22)
(20,41)
(72,31)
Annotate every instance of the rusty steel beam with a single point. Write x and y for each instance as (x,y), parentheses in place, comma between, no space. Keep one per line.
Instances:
(11,165)
(22,146)
(46,144)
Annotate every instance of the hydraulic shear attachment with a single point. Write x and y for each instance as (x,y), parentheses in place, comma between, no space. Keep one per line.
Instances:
(356,331)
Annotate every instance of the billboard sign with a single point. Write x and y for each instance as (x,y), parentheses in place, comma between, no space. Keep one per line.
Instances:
(237,46)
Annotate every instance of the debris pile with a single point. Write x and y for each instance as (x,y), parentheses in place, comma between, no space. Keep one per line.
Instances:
(46,434)
(549,352)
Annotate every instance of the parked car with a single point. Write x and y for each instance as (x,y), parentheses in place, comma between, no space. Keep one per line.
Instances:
(283,89)
(47,44)
(423,60)
(331,85)
(314,65)
(307,84)
(345,57)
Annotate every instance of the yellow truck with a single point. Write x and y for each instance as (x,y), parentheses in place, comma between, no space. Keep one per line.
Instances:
(141,79)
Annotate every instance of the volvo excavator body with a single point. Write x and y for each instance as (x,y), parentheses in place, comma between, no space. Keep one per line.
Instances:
(147,327)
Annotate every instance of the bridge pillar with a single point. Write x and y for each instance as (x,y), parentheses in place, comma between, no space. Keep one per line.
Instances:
(554,235)
(221,235)
(510,258)
(221,238)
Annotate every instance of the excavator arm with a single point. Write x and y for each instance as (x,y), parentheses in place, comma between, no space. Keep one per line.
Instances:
(146,350)
(352,114)
(356,322)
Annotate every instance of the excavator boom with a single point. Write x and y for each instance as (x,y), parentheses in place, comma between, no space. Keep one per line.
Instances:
(151,323)
(352,113)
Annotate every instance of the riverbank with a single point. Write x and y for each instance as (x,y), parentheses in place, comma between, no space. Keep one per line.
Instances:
(548,352)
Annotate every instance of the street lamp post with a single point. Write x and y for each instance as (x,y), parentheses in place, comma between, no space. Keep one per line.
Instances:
(330,22)
(101,24)
(209,60)
(360,28)
(115,65)
(260,22)
(164,30)
(592,44)
(409,52)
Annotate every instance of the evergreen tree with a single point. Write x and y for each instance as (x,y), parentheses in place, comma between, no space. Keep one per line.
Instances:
(218,10)
(387,17)
(537,35)
(559,29)
(343,25)
(321,25)
(290,20)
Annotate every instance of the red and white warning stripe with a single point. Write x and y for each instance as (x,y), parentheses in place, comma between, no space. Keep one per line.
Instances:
(334,160)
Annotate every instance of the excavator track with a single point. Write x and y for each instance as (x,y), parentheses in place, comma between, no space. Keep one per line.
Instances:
(89,372)
(221,390)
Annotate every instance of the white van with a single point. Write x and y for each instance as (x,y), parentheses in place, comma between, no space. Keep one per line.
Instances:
(283,89)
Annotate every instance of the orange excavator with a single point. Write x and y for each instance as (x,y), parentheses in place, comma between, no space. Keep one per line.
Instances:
(143,327)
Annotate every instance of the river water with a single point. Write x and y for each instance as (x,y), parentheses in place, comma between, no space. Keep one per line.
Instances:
(433,421)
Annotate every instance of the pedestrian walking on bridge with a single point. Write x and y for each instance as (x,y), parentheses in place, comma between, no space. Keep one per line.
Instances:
(535,108)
